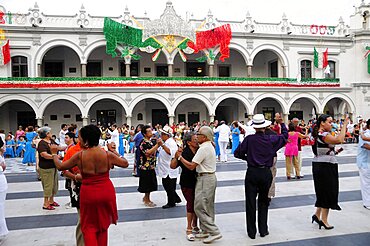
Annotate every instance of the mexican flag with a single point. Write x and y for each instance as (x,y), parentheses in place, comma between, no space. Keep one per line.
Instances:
(321,59)
(5,54)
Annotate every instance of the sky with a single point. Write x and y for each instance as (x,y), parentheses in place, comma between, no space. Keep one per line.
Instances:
(298,11)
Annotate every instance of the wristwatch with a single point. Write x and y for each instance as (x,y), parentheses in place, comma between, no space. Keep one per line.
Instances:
(178,158)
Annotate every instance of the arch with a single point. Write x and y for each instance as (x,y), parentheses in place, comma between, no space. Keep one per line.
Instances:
(99,97)
(277,50)
(24,99)
(238,48)
(341,96)
(277,97)
(315,101)
(156,96)
(89,49)
(55,43)
(237,96)
(200,97)
(45,103)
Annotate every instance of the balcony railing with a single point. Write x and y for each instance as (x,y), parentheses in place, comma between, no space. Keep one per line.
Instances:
(72,82)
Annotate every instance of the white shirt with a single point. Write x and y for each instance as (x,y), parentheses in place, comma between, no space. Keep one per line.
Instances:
(224,131)
(350,127)
(62,136)
(114,137)
(205,158)
(164,160)
(3,183)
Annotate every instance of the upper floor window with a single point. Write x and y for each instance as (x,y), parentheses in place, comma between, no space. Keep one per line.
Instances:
(19,66)
(306,69)
(331,75)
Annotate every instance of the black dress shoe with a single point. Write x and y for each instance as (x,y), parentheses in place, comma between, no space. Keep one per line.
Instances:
(168,206)
(178,200)
(264,234)
(252,236)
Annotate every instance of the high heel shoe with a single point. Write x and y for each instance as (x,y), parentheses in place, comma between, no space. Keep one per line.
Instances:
(314,218)
(321,223)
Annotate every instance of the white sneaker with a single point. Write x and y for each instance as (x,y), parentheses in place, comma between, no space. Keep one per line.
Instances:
(367,207)
(210,239)
(68,205)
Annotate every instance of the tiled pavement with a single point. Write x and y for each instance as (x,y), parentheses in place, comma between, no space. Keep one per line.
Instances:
(289,215)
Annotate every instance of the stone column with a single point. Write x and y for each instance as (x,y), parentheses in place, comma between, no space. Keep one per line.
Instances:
(211,118)
(249,71)
(83,70)
(39,72)
(128,120)
(171,119)
(85,121)
(170,70)
(250,117)
(286,118)
(128,70)
(210,71)
(40,121)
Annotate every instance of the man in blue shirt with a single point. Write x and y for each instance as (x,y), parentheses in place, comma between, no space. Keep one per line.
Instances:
(259,150)
(138,138)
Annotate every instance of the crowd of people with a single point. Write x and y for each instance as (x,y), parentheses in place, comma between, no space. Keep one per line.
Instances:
(85,156)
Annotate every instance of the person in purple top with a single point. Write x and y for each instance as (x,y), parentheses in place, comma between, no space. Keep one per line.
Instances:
(259,150)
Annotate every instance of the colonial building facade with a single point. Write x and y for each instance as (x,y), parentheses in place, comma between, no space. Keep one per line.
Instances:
(60,71)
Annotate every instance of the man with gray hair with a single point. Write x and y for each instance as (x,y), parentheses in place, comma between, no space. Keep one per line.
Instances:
(204,162)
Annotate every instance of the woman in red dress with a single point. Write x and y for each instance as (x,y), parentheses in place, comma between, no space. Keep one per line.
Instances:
(98,206)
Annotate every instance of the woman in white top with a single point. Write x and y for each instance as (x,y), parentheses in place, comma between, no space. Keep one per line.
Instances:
(3,188)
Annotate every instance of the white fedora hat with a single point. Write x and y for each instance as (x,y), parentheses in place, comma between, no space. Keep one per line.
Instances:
(166,131)
(259,121)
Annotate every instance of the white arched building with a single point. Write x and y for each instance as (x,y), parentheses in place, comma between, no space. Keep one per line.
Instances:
(60,71)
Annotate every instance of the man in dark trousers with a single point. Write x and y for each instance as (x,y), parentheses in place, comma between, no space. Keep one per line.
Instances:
(259,150)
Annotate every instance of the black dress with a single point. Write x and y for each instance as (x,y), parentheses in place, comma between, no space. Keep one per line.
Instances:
(325,174)
(147,178)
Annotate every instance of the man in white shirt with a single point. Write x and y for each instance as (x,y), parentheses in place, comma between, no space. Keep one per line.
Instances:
(350,127)
(204,162)
(223,139)
(169,176)
(114,135)
(363,163)
(62,134)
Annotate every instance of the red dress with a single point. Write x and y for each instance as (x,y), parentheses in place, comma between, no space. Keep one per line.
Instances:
(98,207)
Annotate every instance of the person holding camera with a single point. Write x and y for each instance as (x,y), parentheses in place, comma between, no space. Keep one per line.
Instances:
(148,161)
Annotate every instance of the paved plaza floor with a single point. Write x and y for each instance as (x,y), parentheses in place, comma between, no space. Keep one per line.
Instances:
(289,215)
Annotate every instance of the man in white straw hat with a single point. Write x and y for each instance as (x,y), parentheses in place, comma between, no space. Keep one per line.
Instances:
(259,150)
(169,176)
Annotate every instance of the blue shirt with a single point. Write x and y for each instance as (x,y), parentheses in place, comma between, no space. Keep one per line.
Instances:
(138,138)
(363,155)
(259,149)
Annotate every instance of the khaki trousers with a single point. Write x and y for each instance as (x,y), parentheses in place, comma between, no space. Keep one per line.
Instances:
(273,171)
(288,164)
(204,203)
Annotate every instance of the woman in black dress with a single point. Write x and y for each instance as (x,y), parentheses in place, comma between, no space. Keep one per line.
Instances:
(325,169)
